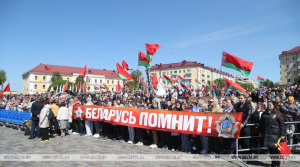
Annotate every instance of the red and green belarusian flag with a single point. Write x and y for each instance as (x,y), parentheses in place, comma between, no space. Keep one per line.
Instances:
(126,85)
(125,66)
(183,86)
(151,49)
(87,80)
(123,74)
(143,60)
(66,86)
(259,79)
(197,81)
(235,86)
(236,63)
(181,79)
(155,82)
(212,90)
(96,87)
(118,87)
(83,72)
(6,89)
(141,79)
(168,79)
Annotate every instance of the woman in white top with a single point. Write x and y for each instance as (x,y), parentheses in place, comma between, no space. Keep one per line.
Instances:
(63,118)
(44,121)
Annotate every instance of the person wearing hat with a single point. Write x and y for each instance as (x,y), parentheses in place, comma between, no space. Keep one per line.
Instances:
(290,110)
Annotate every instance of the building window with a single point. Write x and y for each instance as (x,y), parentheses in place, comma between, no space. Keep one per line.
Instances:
(89,88)
(294,65)
(175,72)
(294,58)
(287,59)
(170,72)
(183,71)
(295,72)
(35,77)
(35,86)
(112,89)
(295,79)
(287,66)
(203,80)
(288,73)
(107,81)
(68,79)
(188,70)
(95,80)
(44,78)
(208,76)
(100,81)
(188,75)
(179,71)
(112,82)
(44,86)
(288,80)
(167,73)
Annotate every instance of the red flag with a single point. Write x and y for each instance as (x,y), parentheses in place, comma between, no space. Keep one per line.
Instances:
(66,86)
(126,84)
(143,60)
(236,63)
(77,86)
(154,81)
(118,87)
(184,86)
(123,74)
(125,66)
(151,48)
(105,86)
(236,86)
(145,85)
(72,85)
(6,89)
(180,78)
(86,78)
(83,71)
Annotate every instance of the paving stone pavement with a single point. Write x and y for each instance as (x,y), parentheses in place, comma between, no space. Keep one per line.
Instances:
(14,142)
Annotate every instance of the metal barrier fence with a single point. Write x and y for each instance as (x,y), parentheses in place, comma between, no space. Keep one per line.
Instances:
(257,148)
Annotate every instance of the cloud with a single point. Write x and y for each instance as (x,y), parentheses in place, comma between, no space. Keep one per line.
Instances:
(219,35)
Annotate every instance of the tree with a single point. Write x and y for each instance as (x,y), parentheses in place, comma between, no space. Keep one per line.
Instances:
(2,76)
(297,82)
(136,74)
(267,83)
(55,77)
(276,85)
(219,82)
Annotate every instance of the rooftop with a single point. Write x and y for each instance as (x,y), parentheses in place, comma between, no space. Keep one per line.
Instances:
(185,63)
(67,70)
(294,50)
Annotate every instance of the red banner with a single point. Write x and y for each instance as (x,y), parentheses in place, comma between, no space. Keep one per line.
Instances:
(225,125)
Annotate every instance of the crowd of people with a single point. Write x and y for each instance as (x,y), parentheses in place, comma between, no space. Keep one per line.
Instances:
(267,108)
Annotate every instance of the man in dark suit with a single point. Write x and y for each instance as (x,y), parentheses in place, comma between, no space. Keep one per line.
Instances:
(35,110)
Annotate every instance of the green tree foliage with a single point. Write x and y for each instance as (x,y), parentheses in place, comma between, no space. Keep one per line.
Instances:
(246,86)
(136,74)
(219,82)
(79,79)
(55,77)
(297,82)
(276,85)
(2,76)
(268,83)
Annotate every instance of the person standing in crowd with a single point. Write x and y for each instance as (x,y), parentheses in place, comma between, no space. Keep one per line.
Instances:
(130,128)
(44,121)
(290,110)
(246,108)
(63,118)
(255,118)
(154,106)
(96,123)
(89,124)
(175,137)
(70,109)
(272,127)
(229,144)
(139,131)
(54,109)
(36,110)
